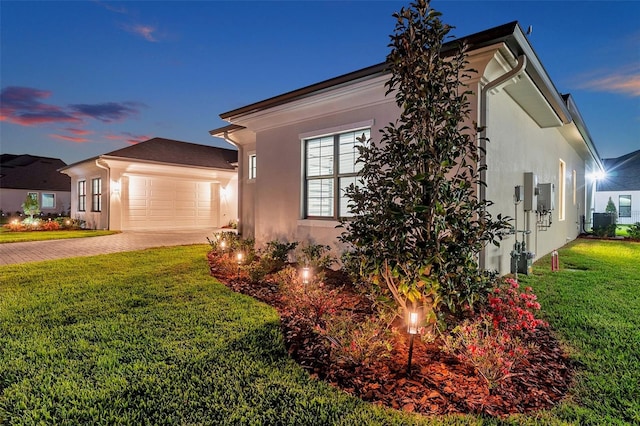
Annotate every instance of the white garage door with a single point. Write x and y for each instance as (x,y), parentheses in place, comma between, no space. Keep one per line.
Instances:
(163,203)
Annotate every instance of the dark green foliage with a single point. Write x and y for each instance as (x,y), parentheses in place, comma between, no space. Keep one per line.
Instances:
(419,224)
(611,207)
(316,256)
(30,206)
(634,231)
(275,255)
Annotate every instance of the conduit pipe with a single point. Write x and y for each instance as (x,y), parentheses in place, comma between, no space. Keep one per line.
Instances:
(503,80)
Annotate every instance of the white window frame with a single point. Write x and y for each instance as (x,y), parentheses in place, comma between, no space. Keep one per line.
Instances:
(562,184)
(53,197)
(96,194)
(82,195)
(337,207)
(252,165)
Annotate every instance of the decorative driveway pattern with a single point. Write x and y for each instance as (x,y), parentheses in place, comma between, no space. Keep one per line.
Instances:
(12,253)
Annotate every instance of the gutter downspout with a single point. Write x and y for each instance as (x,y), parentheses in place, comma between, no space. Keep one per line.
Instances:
(109,189)
(226,137)
(500,81)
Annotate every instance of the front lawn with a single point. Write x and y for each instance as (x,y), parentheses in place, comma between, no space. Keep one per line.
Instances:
(153,339)
(7,236)
(594,304)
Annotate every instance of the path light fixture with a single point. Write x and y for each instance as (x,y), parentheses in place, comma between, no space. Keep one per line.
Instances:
(239,258)
(223,245)
(412,328)
(306,275)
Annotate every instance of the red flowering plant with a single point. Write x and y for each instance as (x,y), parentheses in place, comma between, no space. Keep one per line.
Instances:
(512,310)
(494,341)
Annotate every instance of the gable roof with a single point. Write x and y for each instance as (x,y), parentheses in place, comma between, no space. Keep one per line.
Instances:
(33,173)
(623,173)
(170,151)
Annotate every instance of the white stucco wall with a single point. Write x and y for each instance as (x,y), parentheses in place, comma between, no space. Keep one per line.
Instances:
(602,198)
(518,145)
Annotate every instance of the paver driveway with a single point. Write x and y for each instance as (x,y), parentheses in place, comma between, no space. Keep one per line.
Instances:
(34,251)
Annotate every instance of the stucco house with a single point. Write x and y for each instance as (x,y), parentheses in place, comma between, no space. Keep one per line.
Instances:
(154,185)
(23,175)
(297,150)
(621,183)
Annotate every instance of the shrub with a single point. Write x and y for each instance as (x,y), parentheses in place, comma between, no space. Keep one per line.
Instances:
(49,225)
(512,310)
(493,352)
(316,256)
(634,231)
(275,255)
(356,342)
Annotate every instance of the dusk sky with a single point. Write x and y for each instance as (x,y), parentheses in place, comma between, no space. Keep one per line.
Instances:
(82,78)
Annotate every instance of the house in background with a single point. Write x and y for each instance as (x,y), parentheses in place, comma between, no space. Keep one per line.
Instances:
(154,185)
(621,183)
(297,151)
(21,175)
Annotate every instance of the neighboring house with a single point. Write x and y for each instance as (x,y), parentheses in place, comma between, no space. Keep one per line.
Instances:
(621,183)
(156,184)
(297,150)
(23,175)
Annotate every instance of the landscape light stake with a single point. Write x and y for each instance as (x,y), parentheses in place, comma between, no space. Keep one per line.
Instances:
(306,275)
(413,330)
(239,257)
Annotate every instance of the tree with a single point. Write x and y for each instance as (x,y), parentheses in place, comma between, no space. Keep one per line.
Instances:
(611,207)
(31,206)
(418,223)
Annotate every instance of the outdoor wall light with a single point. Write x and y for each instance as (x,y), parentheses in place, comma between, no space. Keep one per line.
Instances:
(412,329)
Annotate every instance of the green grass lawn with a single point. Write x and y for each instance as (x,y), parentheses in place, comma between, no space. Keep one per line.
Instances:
(151,338)
(7,236)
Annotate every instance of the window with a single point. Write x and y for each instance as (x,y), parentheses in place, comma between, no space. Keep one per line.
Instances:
(330,167)
(48,201)
(624,206)
(252,166)
(561,190)
(82,195)
(574,183)
(96,195)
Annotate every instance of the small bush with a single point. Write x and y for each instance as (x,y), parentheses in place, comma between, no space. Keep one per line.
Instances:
(512,310)
(275,255)
(634,231)
(316,256)
(49,225)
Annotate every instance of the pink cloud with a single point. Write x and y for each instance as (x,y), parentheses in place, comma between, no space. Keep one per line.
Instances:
(625,81)
(128,137)
(79,132)
(144,31)
(69,138)
(23,106)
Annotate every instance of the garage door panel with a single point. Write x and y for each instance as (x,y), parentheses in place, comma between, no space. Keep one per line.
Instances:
(156,203)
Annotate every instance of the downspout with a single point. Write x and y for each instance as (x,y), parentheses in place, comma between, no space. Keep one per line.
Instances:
(226,137)
(504,78)
(108,188)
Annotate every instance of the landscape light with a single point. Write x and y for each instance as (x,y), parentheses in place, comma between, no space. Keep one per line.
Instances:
(223,245)
(412,329)
(306,274)
(239,257)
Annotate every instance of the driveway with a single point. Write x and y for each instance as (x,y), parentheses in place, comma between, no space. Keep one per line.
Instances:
(12,253)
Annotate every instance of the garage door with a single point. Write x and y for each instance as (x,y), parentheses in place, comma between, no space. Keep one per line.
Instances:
(162,203)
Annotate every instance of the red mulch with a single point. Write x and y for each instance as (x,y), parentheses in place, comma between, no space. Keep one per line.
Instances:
(438,383)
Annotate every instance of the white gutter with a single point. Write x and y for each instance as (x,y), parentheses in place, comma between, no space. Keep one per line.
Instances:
(499,82)
(226,137)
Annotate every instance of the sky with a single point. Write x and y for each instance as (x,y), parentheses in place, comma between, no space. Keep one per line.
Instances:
(83,78)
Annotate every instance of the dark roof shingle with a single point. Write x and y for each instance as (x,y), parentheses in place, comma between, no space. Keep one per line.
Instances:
(32,172)
(623,173)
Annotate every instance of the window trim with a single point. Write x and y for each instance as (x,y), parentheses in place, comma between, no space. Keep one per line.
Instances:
(336,176)
(562,169)
(96,194)
(625,207)
(252,165)
(82,195)
(53,195)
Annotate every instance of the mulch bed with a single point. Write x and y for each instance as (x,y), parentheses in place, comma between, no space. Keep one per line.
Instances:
(438,383)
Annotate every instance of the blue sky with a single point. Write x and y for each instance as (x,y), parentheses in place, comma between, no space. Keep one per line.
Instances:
(82,78)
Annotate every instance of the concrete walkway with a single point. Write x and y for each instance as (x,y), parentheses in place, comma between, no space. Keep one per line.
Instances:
(12,253)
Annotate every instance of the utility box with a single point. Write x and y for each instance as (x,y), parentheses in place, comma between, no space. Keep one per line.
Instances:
(530,191)
(546,198)
(604,224)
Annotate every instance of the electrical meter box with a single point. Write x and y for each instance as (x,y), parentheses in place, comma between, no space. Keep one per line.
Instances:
(546,198)
(530,191)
